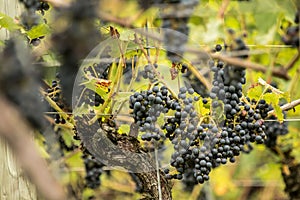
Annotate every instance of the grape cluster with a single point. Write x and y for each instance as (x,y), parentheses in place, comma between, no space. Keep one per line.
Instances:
(30,18)
(93,169)
(185,118)
(101,69)
(44,6)
(227,84)
(35,41)
(292,35)
(273,130)
(189,180)
(229,90)
(291,176)
(195,83)
(273,127)
(54,92)
(202,144)
(213,145)
(149,73)
(191,141)
(91,98)
(147,107)
(31,4)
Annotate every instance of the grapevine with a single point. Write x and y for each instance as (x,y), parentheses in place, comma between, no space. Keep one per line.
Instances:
(189,94)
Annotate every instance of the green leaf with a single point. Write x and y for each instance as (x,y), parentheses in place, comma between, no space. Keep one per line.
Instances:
(91,84)
(132,50)
(127,35)
(8,23)
(38,31)
(203,109)
(287,96)
(124,128)
(278,113)
(255,92)
(75,160)
(67,136)
(196,20)
(271,98)
(142,87)
(121,96)
(40,141)
(161,119)
(265,21)
(88,193)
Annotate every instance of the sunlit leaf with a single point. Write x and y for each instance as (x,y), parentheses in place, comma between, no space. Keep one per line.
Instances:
(255,92)
(124,128)
(203,109)
(271,98)
(38,31)
(278,113)
(8,22)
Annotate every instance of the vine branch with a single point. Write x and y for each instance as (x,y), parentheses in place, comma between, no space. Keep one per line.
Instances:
(278,72)
(223,8)
(281,72)
(293,61)
(287,106)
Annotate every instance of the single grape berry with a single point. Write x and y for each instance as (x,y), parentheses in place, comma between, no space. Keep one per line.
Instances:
(218,47)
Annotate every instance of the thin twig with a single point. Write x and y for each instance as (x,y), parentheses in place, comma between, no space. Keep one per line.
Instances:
(199,76)
(158,176)
(287,106)
(137,40)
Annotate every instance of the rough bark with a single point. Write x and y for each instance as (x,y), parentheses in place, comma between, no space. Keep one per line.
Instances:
(120,150)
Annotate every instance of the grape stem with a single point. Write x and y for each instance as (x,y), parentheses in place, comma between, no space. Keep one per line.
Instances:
(158,176)
(199,76)
(137,40)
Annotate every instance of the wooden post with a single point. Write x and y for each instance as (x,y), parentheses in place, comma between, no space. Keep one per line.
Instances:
(14,185)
